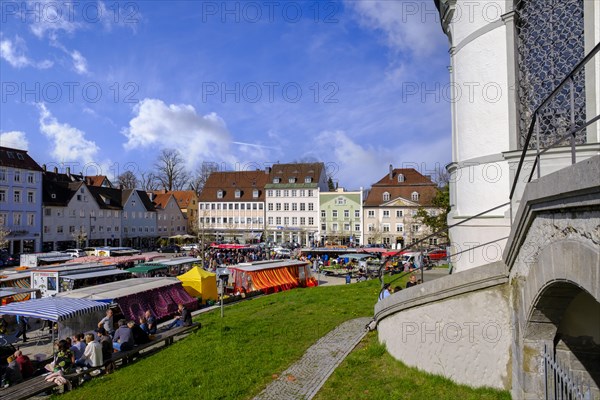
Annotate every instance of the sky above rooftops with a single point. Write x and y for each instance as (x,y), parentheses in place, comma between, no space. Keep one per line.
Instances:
(104,86)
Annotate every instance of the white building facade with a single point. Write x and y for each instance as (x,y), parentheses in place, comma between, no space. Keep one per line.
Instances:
(505,60)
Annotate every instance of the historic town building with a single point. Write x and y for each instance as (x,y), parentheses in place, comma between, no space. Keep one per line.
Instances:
(341,217)
(390,208)
(20,201)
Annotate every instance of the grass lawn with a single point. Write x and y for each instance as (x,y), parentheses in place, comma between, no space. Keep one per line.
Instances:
(237,356)
(370,373)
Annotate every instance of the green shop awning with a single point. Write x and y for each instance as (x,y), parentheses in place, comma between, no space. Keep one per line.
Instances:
(144,268)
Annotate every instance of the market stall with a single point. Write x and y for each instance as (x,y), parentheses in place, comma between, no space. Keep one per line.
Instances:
(200,283)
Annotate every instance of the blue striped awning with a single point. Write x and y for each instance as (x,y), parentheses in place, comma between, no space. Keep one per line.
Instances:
(53,308)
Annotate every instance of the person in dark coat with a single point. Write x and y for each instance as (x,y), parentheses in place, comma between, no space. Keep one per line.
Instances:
(139,335)
(23,325)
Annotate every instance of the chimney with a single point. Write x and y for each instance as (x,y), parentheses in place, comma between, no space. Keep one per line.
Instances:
(56,170)
(267,170)
(69,172)
(44,167)
(391,171)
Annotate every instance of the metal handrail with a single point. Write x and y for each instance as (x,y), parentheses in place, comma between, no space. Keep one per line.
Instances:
(534,117)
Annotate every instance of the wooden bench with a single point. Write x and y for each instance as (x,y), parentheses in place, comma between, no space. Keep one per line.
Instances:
(38,384)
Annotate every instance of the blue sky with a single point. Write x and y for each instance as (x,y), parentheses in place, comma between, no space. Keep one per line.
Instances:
(104,86)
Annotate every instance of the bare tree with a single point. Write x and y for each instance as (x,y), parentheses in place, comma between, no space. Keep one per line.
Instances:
(170,170)
(442,176)
(201,175)
(127,180)
(3,237)
(148,181)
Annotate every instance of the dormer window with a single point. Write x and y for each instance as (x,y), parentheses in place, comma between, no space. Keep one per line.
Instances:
(255,193)
(400,178)
(20,156)
(292,180)
(415,196)
(308,179)
(386,196)
(238,193)
(10,154)
(219,194)
(276,180)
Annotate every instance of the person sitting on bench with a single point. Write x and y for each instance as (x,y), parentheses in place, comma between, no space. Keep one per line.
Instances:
(123,338)
(183,319)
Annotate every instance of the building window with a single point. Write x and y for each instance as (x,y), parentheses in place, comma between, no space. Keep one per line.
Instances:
(398,213)
(59,229)
(30,177)
(255,193)
(31,219)
(278,206)
(294,206)
(260,206)
(286,206)
(386,196)
(219,194)
(17,176)
(2,195)
(302,193)
(334,227)
(370,227)
(286,221)
(311,221)
(71,229)
(2,175)
(311,207)
(323,214)
(294,193)
(302,221)
(270,220)
(17,196)
(414,196)
(415,228)
(278,193)
(286,193)
(357,227)
(346,227)
(294,221)
(356,213)
(30,198)
(238,193)
(386,213)
(242,206)
(276,180)
(270,206)
(278,220)
(48,212)
(371,213)
(302,207)
(310,193)
(346,213)
(334,214)
(292,180)
(400,178)
(399,228)
(386,227)
(308,179)
(270,193)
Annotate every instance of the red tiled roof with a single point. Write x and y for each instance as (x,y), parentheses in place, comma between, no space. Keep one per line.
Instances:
(96,180)
(161,200)
(413,182)
(298,171)
(184,197)
(230,181)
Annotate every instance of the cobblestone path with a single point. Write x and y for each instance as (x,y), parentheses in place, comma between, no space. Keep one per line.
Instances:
(304,378)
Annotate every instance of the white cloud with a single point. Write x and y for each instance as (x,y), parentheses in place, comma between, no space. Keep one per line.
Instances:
(14,139)
(179,126)
(408,25)
(68,143)
(79,62)
(14,52)
(365,164)
(50,17)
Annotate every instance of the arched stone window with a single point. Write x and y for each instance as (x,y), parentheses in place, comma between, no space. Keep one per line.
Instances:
(386,196)
(550,42)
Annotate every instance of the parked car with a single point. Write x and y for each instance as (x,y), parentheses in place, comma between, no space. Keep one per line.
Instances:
(9,260)
(172,248)
(189,247)
(437,255)
(75,252)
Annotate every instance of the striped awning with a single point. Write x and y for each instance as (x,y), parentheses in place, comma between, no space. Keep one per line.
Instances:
(53,308)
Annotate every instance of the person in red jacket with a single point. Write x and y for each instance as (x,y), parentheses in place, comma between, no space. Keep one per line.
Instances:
(25,364)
